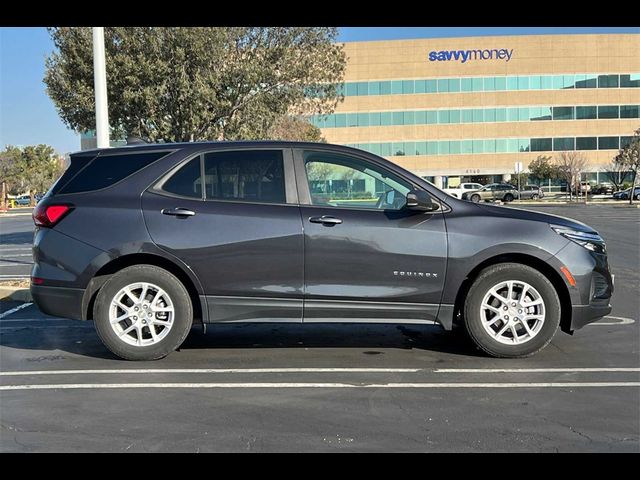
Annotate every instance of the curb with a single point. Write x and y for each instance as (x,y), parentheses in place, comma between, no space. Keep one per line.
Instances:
(17,294)
(2,215)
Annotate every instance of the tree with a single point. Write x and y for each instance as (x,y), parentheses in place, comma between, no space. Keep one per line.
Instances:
(205,83)
(616,172)
(629,158)
(542,168)
(294,128)
(570,165)
(8,173)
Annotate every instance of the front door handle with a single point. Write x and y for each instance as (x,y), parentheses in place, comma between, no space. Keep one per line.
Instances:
(326,220)
(178,212)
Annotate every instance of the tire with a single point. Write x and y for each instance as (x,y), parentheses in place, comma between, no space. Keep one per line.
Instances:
(176,315)
(638,197)
(475,198)
(477,320)
(508,198)
(534,196)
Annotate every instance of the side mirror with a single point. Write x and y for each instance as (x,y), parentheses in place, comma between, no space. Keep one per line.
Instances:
(421,201)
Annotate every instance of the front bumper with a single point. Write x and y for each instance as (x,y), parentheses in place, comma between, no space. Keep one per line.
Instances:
(59,301)
(582,315)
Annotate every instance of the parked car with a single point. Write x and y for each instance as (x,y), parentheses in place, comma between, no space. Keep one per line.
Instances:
(581,188)
(604,188)
(492,192)
(624,194)
(530,192)
(23,200)
(462,188)
(195,233)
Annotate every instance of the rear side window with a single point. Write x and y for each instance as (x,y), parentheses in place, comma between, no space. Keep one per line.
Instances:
(77,163)
(106,170)
(245,175)
(186,182)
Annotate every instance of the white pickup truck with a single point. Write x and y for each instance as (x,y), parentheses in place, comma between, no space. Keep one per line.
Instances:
(463,187)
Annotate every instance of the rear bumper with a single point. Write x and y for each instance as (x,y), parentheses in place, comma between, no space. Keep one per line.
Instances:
(582,315)
(59,301)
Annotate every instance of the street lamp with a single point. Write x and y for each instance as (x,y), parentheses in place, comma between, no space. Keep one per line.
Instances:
(100,86)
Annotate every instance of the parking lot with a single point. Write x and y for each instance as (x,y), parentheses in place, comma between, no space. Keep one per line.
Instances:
(324,387)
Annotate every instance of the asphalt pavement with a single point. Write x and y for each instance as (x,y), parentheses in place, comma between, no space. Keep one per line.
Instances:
(334,387)
(16,237)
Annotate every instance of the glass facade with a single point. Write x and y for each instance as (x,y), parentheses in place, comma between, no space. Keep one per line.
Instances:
(491,145)
(476,115)
(492,84)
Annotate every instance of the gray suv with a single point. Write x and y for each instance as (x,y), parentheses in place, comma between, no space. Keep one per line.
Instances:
(149,240)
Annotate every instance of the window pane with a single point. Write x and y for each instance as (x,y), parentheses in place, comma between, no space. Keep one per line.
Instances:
(607,81)
(420,86)
(534,82)
(351,89)
(563,144)
(397,148)
(106,170)
(341,120)
(512,83)
(512,145)
(608,143)
(385,88)
(186,182)
(443,116)
(386,118)
(608,111)
(465,85)
(586,143)
(501,114)
(352,119)
(431,86)
(467,115)
(563,113)
(489,84)
(363,88)
(477,84)
(363,119)
(443,147)
(580,80)
(541,145)
(407,86)
(524,145)
(546,82)
(478,146)
(454,147)
(568,81)
(454,84)
(501,83)
(421,148)
(410,148)
(586,113)
(624,141)
(398,118)
(558,82)
(543,113)
(501,145)
(523,83)
(512,114)
(454,116)
(630,111)
(489,146)
(478,115)
(396,86)
(374,88)
(420,117)
(443,85)
(409,118)
(374,119)
(523,114)
(374,148)
(249,176)
(330,122)
(432,148)
(466,146)
(432,117)
(630,81)
(385,149)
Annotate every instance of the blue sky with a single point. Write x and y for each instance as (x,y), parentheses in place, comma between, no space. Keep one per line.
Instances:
(27,115)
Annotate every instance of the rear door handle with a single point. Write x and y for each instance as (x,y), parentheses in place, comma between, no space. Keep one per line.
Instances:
(326,220)
(178,212)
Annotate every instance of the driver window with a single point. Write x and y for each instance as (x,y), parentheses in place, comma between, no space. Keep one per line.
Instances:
(341,181)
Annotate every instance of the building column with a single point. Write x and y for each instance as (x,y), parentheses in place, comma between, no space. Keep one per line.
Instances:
(506,177)
(437,181)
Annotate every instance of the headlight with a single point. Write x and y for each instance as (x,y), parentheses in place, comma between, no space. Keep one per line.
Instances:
(590,241)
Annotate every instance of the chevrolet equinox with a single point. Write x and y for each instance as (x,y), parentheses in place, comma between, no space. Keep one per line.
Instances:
(147,240)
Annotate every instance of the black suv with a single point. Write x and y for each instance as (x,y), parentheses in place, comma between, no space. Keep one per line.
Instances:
(148,240)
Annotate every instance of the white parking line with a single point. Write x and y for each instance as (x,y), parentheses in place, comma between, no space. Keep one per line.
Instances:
(17,275)
(16,254)
(535,370)
(623,321)
(75,386)
(15,309)
(211,370)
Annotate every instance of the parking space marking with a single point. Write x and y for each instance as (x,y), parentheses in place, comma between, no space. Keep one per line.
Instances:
(77,386)
(15,309)
(16,254)
(623,321)
(212,370)
(535,370)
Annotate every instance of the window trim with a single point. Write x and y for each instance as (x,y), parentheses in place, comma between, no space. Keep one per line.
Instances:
(290,188)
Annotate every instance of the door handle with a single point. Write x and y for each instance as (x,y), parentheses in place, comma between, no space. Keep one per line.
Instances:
(326,220)
(178,212)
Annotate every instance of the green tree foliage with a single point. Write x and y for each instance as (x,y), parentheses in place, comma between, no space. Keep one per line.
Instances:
(30,169)
(542,168)
(629,159)
(205,83)
(294,128)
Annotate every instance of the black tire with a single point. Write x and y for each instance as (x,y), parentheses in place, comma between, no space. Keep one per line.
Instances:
(638,197)
(534,196)
(508,198)
(475,198)
(492,276)
(183,312)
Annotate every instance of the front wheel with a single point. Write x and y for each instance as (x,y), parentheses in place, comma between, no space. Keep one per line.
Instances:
(508,198)
(143,312)
(511,311)
(475,198)
(534,196)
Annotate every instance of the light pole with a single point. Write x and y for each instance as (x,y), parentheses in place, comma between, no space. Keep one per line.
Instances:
(100,86)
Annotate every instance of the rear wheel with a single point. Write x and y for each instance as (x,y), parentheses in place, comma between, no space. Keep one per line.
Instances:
(512,310)
(143,313)
(475,198)
(534,196)
(508,197)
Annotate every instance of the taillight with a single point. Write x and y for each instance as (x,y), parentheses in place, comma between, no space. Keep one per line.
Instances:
(49,215)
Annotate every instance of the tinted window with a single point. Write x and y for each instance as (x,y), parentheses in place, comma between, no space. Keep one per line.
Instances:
(106,170)
(246,175)
(186,182)
(77,162)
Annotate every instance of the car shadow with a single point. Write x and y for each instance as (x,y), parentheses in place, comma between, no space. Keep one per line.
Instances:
(80,338)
